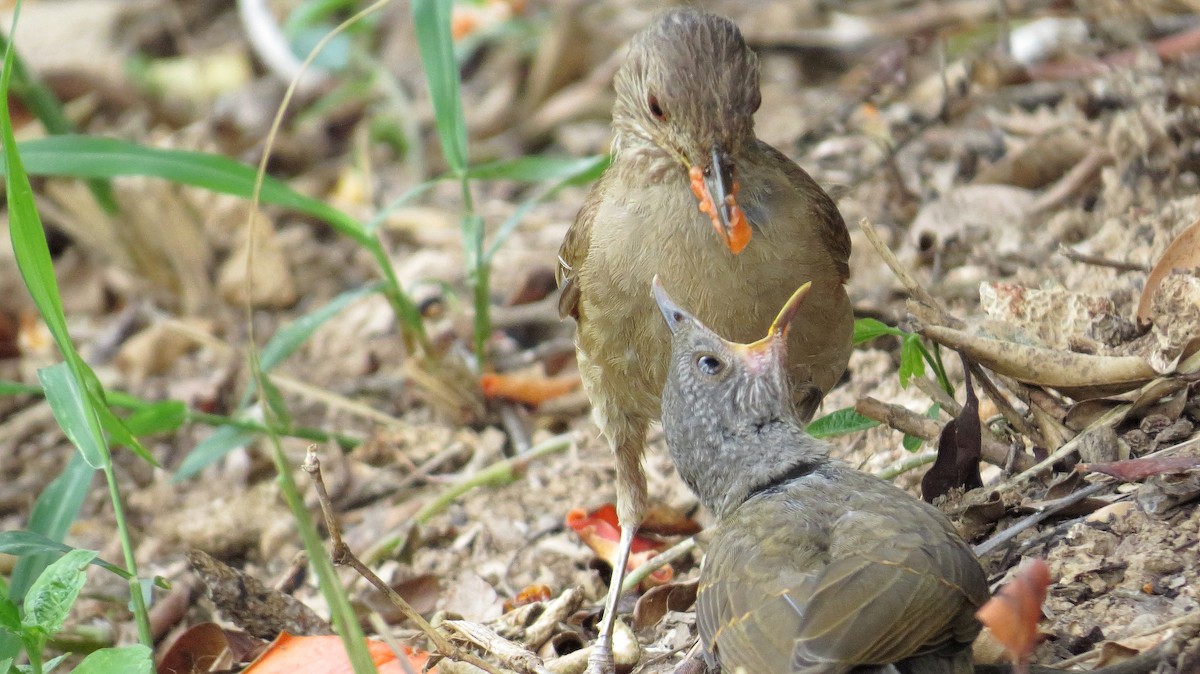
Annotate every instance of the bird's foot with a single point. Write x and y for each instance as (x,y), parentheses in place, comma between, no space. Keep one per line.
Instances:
(601,660)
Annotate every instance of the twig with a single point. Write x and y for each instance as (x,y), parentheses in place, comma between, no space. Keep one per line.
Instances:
(899,418)
(1100,260)
(938,395)
(1033,520)
(1080,174)
(499,473)
(677,551)
(915,289)
(918,425)
(341,555)
(906,464)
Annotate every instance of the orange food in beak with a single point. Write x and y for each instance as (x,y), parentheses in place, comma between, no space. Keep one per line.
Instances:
(736,235)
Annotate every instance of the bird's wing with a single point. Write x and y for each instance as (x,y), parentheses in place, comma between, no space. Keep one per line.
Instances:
(887,596)
(833,231)
(743,610)
(572,254)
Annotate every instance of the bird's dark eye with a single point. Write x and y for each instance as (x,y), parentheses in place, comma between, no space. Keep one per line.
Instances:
(655,107)
(709,364)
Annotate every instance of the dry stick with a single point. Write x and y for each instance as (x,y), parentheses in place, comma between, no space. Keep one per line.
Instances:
(907,421)
(1033,520)
(906,279)
(677,551)
(938,395)
(906,464)
(1080,174)
(341,555)
(1100,260)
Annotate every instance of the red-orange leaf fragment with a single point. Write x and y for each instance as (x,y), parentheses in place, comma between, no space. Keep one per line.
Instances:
(326,655)
(600,531)
(739,229)
(1134,470)
(529,390)
(1012,614)
(529,595)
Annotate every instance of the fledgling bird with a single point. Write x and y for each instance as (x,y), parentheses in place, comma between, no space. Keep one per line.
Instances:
(814,567)
(728,221)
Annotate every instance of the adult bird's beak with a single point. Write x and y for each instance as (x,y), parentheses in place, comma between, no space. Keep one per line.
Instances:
(774,345)
(716,189)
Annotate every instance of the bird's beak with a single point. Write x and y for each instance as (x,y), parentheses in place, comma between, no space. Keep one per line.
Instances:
(774,345)
(717,190)
(670,311)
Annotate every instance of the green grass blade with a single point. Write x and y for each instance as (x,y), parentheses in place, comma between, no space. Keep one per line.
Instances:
(68,402)
(211,449)
(431,19)
(92,157)
(537,169)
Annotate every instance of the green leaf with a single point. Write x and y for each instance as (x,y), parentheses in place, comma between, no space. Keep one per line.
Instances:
(911,442)
(121,435)
(54,592)
(70,405)
(840,422)
(95,157)
(53,663)
(287,339)
(161,417)
(211,449)
(126,659)
(912,362)
(10,617)
(53,513)
(25,543)
(866,329)
(431,20)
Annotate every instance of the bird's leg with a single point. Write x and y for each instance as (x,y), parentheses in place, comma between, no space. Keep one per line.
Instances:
(631,508)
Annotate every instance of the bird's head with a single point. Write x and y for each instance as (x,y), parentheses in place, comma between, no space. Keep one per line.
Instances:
(736,388)
(688,91)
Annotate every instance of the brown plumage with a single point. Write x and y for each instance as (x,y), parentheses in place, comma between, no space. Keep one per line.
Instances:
(686,97)
(814,567)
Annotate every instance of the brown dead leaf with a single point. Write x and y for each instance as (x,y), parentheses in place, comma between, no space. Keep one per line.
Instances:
(959,449)
(1182,254)
(271,284)
(653,605)
(207,647)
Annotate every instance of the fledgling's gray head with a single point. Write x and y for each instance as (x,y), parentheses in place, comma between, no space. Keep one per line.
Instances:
(727,408)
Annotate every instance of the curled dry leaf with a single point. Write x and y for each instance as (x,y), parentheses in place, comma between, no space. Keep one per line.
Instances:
(1012,614)
(1182,254)
(527,389)
(1079,375)
(1134,470)
(601,532)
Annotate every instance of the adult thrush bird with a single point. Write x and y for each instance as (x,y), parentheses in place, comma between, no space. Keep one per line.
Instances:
(814,567)
(729,222)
